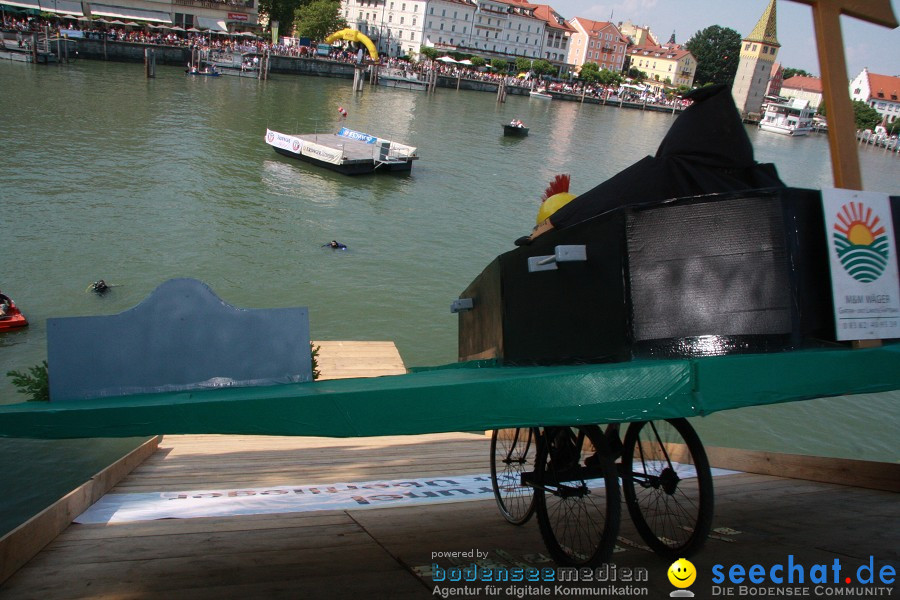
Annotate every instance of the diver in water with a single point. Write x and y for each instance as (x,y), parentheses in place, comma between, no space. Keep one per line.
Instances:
(99,287)
(336,245)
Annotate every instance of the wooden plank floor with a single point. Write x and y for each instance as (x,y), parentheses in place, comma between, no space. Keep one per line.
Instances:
(381,553)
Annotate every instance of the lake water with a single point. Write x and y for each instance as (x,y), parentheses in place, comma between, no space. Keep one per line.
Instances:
(110,175)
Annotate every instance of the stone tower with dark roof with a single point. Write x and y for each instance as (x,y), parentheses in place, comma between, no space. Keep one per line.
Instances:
(758,51)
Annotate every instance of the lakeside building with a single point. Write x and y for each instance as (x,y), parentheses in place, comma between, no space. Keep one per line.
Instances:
(670,65)
(598,42)
(222,16)
(492,28)
(758,52)
(638,35)
(804,88)
(559,34)
(878,91)
(776,79)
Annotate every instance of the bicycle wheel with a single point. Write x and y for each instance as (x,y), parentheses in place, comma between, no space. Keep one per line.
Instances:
(577,494)
(512,453)
(668,486)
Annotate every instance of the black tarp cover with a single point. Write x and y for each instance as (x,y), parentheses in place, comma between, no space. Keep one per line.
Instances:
(705,151)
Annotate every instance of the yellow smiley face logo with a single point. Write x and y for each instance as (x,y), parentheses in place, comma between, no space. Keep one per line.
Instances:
(682,573)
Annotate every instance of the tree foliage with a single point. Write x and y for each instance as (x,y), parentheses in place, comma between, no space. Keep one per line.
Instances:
(478,61)
(791,72)
(636,74)
(428,52)
(589,73)
(281,11)
(318,19)
(542,67)
(500,65)
(866,117)
(717,51)
(523,64)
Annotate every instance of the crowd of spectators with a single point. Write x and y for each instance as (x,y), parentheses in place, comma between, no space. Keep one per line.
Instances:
(216,42)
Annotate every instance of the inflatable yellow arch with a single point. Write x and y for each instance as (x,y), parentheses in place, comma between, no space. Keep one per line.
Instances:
(351,35)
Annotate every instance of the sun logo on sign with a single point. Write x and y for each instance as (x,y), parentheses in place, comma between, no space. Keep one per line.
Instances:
(860,242)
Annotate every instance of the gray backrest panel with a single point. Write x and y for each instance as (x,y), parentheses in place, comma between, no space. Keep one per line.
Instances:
(181,337)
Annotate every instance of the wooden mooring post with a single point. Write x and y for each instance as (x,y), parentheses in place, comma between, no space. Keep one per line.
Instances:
(359,78)
(264,65)
(501,91)
(149,63)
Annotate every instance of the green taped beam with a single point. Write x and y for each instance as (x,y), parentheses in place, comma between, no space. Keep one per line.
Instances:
(471,397)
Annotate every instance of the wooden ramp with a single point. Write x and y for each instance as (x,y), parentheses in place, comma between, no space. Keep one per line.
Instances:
(388,552)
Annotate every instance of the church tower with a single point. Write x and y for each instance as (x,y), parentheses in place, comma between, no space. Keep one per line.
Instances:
(758,52)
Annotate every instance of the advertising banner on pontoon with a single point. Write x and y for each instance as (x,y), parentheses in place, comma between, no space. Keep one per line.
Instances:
(357,135)
(323,153)
(862,251)
(285,142)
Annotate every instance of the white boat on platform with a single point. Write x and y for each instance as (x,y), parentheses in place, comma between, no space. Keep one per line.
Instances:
(793,118)
(238,65)
(398,78)
(540,94)
(347,151)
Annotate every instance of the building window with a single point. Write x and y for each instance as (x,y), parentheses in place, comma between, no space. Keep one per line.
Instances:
(414,21)
(401,20)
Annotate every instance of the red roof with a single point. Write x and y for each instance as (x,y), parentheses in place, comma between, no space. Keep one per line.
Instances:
(595,27)
(801,82)
(884,87)
(553,19)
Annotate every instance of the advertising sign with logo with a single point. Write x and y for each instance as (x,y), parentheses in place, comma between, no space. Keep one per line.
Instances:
(237,16)
(357,135)
(862,251)
(323,153)
(285,142)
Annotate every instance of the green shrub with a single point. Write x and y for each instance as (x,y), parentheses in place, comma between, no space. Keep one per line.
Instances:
(313,354)
(34,383)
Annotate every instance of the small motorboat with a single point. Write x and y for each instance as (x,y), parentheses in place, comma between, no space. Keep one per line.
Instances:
(210,71)
(540,94)
(12,317)
(515,129)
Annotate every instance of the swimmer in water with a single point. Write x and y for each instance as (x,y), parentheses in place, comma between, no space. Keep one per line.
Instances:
(99,287)
(336,245)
